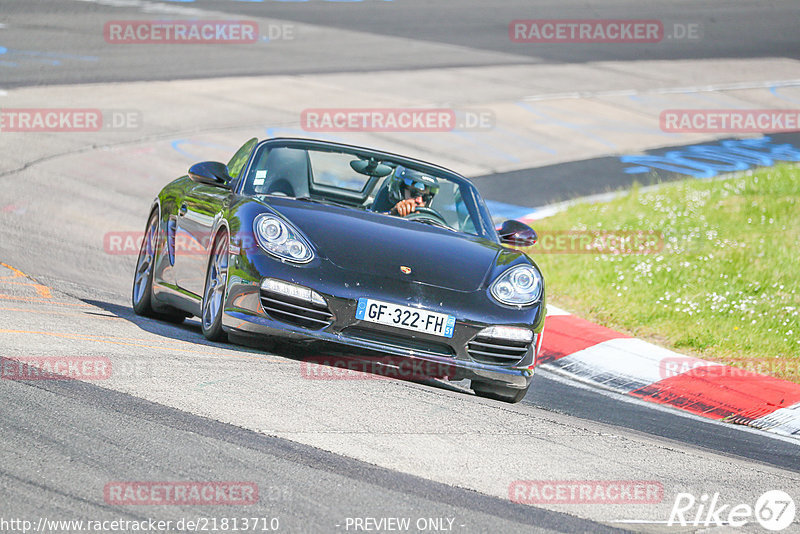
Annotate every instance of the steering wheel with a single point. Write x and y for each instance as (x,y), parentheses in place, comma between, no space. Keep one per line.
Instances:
(424,213)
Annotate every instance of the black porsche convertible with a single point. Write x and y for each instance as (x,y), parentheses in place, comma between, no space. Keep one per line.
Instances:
(314,242)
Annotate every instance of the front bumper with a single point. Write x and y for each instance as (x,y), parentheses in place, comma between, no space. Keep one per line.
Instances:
(252,324)
(244,315)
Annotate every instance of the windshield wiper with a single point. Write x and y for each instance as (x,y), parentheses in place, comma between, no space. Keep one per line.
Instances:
(311,199)
(326,201)
(433,222)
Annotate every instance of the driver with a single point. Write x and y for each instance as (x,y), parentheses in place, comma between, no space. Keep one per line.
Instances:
(409,189)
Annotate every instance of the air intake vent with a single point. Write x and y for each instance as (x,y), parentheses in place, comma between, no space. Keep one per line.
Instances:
(295,311)
(402,342)
(497,351)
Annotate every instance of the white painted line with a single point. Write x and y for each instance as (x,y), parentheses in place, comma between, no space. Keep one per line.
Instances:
(552,310)
(626,364)
(550,210)
(116,3)
(620,366)
(151,7)
(670,523)
(542,212)
(554,374)
(663,91)
(784,421)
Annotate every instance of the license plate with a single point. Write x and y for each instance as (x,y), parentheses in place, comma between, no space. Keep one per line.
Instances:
(376,311)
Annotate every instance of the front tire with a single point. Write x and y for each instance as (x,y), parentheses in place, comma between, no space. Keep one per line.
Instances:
(502,393)
(142,291)
(215,290)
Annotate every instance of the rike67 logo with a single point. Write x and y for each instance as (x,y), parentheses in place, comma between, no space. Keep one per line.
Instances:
(774,510)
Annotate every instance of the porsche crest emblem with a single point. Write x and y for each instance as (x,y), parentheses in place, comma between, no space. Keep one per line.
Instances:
(405,270)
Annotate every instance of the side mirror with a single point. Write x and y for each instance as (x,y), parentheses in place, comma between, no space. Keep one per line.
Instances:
(517,234)
(210,173)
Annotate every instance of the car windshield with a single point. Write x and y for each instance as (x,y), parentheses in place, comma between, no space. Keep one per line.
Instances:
(363,182)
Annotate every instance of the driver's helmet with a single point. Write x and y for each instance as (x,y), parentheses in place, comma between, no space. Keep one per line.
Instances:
(417,183)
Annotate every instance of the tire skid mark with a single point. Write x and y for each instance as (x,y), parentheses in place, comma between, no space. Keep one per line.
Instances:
(37,300)
(132,342)
(52,312)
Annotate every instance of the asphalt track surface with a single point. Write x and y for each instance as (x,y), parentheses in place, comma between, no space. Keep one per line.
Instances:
(557,183)
(61,441)
(475,31)
(294,480)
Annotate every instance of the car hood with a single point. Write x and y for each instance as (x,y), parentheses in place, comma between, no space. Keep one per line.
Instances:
(379,245)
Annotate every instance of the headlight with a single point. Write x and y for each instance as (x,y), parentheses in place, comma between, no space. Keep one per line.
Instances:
(282,240)
(518,286)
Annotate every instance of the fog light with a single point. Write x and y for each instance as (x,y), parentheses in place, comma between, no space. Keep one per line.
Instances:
(292,290)
(511,333)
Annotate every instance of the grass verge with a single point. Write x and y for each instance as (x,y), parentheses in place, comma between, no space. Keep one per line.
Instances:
(724,284)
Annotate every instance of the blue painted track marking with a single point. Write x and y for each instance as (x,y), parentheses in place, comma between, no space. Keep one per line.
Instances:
(506,211)
(496,151)
(526,142)
(178,145)
(569,125)
(53,59)
(775,92)
(707,161)
(281,131)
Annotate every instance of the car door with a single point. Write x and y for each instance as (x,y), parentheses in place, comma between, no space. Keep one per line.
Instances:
(197,216)
(198,213)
